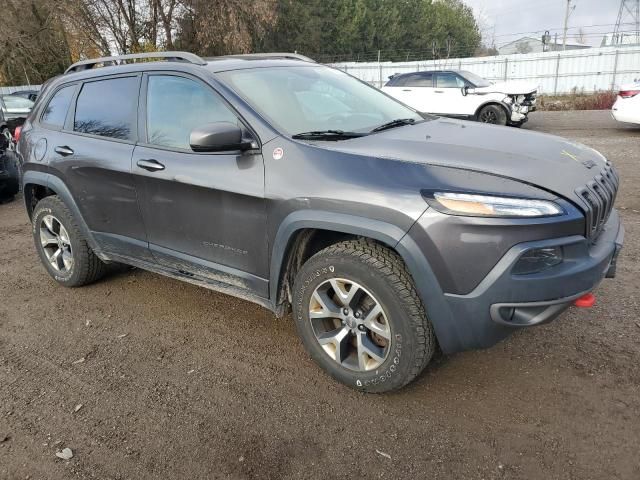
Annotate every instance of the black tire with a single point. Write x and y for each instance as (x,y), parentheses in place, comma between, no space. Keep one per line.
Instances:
(383,273)
(493,114)
(86,267)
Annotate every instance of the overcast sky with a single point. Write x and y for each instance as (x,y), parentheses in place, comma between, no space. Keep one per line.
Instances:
(511,17)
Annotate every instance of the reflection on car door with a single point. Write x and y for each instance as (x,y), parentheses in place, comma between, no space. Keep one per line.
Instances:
(204,212)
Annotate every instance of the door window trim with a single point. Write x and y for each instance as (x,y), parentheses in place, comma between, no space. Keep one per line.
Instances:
(142,113)
(71,115)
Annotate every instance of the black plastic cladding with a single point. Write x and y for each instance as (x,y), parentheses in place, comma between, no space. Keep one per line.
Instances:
(599,195)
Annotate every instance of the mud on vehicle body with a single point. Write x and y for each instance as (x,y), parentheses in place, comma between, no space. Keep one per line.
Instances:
(290,184)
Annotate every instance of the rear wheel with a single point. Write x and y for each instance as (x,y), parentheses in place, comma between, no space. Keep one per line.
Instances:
(360,317)
(62,249)
(493,114)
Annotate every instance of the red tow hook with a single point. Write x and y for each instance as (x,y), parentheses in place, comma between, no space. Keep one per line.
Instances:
(586,301)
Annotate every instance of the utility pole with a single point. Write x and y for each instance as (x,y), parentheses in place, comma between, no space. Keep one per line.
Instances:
(566,23)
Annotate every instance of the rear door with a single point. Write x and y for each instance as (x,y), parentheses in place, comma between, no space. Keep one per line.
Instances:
(92,156)
(204,212)
(415,89)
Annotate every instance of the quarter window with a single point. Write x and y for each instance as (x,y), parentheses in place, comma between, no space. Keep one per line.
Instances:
(108,108)
(56,111)
(177,105)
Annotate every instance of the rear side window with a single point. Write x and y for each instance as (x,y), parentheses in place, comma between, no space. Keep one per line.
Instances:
(176,106)
(415,80)
(56,111)
(108,108)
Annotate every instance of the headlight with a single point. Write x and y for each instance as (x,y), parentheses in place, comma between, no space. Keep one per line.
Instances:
(490,206)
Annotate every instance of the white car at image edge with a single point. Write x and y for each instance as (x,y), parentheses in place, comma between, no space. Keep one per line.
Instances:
(465,95)
(627,106)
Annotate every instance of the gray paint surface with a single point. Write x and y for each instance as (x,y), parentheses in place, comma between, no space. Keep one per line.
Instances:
(225,219)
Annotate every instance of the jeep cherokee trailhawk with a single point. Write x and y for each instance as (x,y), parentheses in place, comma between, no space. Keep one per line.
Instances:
(292,184)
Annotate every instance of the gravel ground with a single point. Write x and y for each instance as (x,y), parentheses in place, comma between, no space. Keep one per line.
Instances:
(179,382)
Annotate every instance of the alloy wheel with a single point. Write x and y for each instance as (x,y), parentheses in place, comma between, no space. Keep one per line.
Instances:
(489,116)
(56,244)
(350,324)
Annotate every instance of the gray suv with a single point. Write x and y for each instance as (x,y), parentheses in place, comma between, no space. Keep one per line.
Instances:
(293,185)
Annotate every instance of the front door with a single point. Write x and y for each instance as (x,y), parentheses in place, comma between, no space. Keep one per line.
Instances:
(204,212)
(447,95)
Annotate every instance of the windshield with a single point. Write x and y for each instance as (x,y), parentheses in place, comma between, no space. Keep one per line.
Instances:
(477,80)
(315,98)
(15,103)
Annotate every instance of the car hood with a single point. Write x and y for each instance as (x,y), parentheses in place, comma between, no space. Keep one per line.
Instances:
(545,161)
(508,88)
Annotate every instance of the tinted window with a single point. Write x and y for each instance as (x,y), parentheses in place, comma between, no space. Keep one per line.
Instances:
(448,80)
(177,105)
(419,80)
(108,108)
(56,111)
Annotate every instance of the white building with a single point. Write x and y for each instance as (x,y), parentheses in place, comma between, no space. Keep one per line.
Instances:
(534,45)
(623,38)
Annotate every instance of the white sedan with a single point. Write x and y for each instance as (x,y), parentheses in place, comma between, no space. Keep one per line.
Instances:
(462,94)
(627,106)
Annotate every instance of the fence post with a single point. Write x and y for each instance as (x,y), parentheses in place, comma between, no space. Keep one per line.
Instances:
(379,71)
(615,70)
(555,83)
(506,66)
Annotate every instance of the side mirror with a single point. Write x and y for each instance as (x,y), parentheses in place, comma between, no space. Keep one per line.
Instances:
(219,137)
(465,90)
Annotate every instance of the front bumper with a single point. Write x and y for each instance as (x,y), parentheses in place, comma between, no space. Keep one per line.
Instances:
(502,301)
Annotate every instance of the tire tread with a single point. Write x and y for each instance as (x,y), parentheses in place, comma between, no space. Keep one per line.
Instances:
(393,268)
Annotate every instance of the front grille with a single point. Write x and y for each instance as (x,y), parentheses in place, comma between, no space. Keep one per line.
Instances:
(598,197)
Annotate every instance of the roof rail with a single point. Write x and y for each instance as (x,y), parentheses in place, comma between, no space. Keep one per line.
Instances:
(258,56)
(122,60)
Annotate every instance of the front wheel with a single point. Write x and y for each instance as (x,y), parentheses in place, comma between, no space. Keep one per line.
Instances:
(360,317)
(493,114)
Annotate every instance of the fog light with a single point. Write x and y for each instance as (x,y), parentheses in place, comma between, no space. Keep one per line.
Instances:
(538,260)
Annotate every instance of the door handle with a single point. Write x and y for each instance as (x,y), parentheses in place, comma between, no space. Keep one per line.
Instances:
(151,165)
(63,150)
(438,91)
(407,90)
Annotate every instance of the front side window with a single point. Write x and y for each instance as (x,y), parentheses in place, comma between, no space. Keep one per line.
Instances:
(315,98)
(448,80)
(56,111)
(178,105)
(108,108)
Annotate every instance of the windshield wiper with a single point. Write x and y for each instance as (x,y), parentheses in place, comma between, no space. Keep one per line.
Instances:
(327,135)
(394,123)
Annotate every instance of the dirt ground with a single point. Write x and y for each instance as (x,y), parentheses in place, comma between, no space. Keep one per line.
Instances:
(179,382)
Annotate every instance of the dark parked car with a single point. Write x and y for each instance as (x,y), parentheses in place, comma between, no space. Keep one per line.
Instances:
(292,184)
(28,94)
(9,176)
(15,110)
